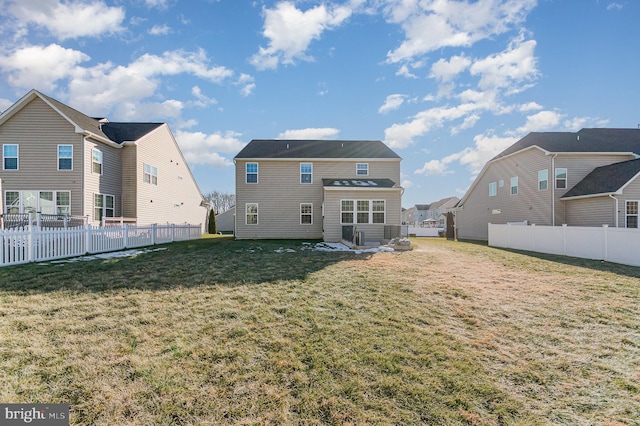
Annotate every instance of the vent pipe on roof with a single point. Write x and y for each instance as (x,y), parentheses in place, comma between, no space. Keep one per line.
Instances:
(287,146)
(578,137)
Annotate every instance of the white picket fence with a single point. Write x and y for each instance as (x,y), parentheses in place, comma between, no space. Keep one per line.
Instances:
(618,245)
(36,244)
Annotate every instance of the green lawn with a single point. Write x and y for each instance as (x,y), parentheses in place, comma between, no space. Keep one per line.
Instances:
(218,331)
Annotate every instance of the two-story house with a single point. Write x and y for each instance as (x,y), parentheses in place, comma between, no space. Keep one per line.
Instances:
(312,188)
(57,160)
(586,178)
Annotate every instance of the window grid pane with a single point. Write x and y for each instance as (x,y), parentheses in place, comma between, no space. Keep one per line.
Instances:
(362,169)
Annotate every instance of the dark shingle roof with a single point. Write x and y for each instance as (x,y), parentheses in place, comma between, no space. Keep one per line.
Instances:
(585,140)
(276,148)
(605,179)
(358,183)
(422,206)
(123,132)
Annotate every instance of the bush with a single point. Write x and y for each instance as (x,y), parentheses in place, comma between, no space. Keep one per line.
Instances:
(211,228)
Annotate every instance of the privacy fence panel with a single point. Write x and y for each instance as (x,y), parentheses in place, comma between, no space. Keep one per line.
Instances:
(619,245)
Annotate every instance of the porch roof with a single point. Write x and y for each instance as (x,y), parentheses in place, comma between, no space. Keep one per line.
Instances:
(358,183)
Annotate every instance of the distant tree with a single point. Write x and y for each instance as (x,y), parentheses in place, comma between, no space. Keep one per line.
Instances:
(220,201)
(211,226)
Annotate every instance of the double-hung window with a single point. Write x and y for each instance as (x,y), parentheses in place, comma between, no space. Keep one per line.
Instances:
(377,207)
(150,174)
(346,211)
(306,172)
(10,157)
(103,206)
(96,161)
(363,211)
(493,189)
(561,178)
(65,157)
(306,214)
(251,215)
(631,214)
(362,169)
(251,173)
(514,185)
(543,180)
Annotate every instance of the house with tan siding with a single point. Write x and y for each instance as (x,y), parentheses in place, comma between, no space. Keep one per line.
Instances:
(57,160)
(311,189)
(584,178)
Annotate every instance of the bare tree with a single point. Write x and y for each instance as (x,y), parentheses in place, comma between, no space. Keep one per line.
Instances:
(220,201)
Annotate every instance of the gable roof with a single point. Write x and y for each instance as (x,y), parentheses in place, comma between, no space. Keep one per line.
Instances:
(442,202)
(290,149)
(585,140)
(422,206)
(605,180)
(125,132)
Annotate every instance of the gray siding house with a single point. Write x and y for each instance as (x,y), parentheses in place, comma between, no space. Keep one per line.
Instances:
(586,178)
(57,160)
(312,188)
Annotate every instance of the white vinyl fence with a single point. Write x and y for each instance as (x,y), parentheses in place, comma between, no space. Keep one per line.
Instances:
(419,231)
(35,244)
(618,245)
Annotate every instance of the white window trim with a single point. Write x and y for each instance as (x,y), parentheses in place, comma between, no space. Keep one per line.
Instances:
(104,206)
(151,174)
(17,157)
(246,213)
(367,169)
(566,179)
(246,174)
(493,189)
(95,162)
(59,158)
(301,174)
(306,214)
(511,186)
(627,215)
(543,180)
(370,212)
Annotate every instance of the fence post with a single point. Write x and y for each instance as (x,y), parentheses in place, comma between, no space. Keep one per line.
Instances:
(153,234)
(564,239)
(126,235)
(88,239)
(173,232)
(533,237)
(30,239)
(605,229)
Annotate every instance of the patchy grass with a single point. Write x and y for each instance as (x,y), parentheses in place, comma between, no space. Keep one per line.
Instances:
(219,331)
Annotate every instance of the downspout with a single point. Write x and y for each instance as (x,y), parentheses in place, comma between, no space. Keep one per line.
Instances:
(616,211)
(553,190)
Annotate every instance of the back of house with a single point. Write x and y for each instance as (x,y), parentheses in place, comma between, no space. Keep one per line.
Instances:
(310,189)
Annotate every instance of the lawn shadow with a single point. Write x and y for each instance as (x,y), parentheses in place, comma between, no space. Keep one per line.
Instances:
(206,262)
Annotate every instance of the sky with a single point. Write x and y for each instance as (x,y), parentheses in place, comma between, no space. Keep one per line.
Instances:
(447,84)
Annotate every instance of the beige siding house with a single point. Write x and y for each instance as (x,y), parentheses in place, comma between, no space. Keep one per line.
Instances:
(312,188)
(580,179)
(57,160)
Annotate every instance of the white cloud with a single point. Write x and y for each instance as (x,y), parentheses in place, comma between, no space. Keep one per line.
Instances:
(247,83)
(403,71)
(406,184)
(200,148)
(508,69)
(310,133)
(160,30)
(159,4)
(40,66)
(444,70)
(202,99)
(391,103)
(434,167)
(543,120)
(4,104)
(615,6)
(531,106)
(290,32)
(69,19)
(433,24)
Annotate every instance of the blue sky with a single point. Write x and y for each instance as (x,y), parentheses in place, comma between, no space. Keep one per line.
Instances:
(447,84)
